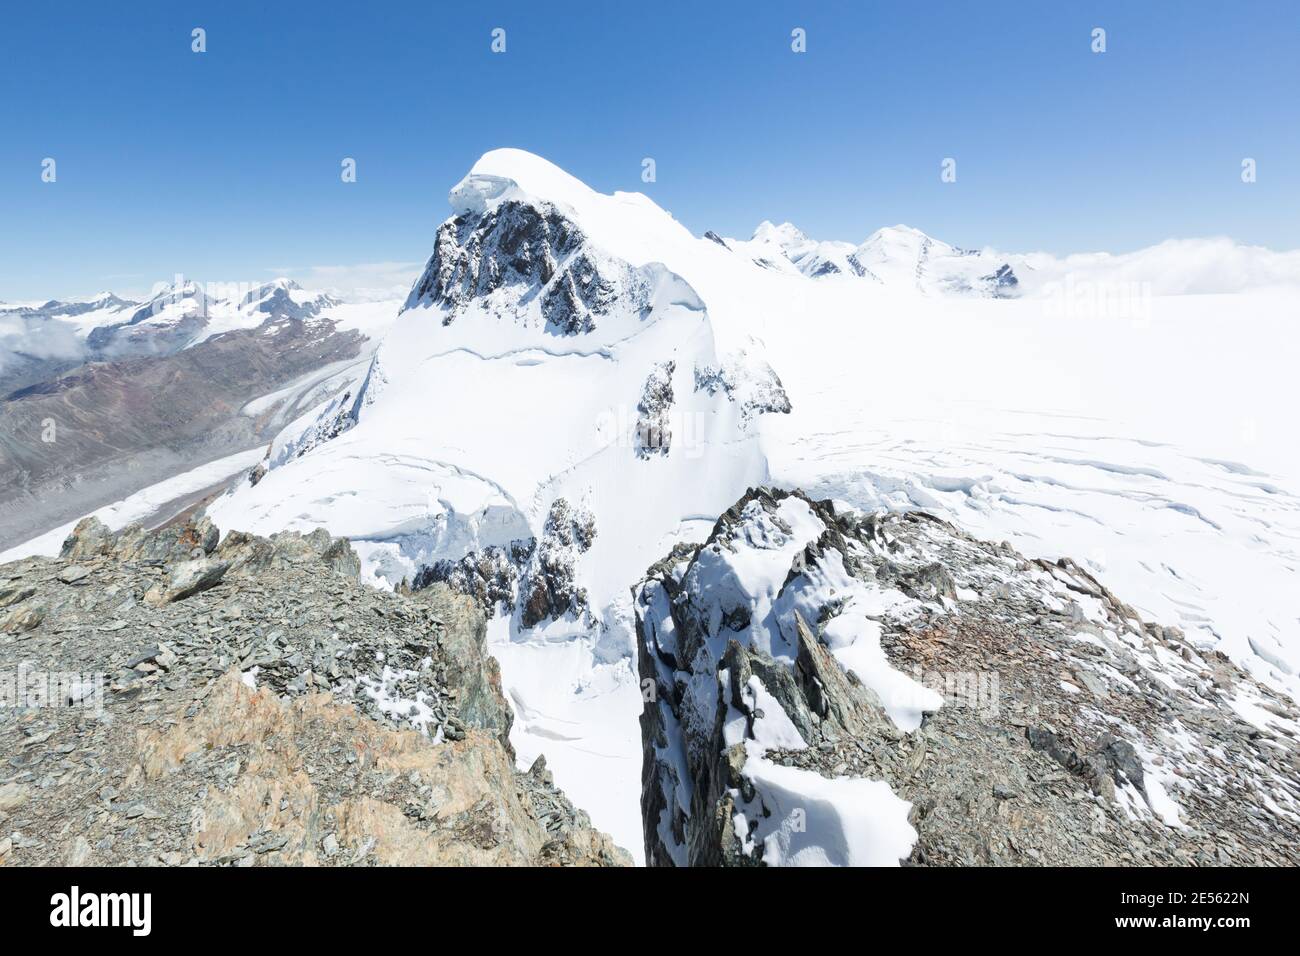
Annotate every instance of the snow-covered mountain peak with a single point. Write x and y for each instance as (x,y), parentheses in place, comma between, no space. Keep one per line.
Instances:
(179,287)
(530,247)
(900,230)
(773,247)
(904,256)
(899,241)
(280,282)
(169,302)
(284,299)
(624,225)
(786,234)
(900,257)
(76,310)
(502,175)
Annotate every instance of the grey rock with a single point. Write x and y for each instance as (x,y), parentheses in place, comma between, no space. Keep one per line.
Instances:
(89,539)
(187,579)
(73,574)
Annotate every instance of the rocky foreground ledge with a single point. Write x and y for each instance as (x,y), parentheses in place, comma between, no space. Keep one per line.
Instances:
(175,698)
(833,687)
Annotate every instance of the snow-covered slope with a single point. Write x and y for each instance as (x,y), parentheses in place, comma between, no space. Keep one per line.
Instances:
(577,383)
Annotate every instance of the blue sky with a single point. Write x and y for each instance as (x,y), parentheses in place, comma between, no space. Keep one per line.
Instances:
(225,165)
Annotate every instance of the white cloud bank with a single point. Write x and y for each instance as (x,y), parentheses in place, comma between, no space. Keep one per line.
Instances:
(1173,267)
(363,282)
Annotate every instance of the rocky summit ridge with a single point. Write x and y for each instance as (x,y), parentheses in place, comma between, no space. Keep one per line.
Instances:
(826,686)
(188,699)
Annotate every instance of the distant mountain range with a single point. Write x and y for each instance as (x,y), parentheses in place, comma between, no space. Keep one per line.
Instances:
(899,256)
(101,397)
(40,340)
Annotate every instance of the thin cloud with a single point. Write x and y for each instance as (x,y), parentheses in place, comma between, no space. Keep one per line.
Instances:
(366,281)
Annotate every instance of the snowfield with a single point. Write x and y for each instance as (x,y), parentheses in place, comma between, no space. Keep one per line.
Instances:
(1103,411)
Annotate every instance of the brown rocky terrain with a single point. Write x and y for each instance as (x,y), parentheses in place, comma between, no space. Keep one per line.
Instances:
(181,700)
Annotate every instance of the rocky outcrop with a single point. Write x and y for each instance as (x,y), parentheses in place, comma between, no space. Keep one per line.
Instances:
(282,713)
(538,576)
(831,687)
(654,434)
(469,667)
(548,586)
(479,257)
(1002,283)
(747,381)
(489,576)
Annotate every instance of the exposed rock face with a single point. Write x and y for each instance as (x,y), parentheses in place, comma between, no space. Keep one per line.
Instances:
(187,579)
(834,687)
(282,714)
(654,432)
(518,246)
(537,575)
(469,667)
(548,587)
(488,576)
(1002,283)
(748,381)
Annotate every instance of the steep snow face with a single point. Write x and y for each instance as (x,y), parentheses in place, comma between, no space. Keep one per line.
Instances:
(517,375)
(564,345)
